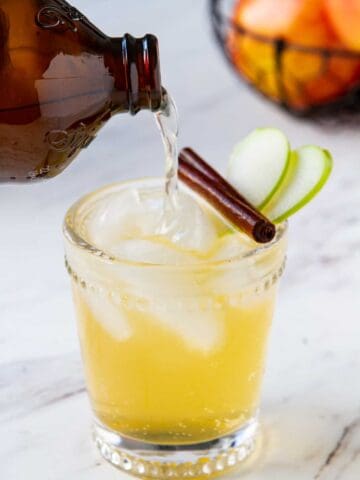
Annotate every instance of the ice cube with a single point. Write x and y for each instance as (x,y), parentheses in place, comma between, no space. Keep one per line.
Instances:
(112,317)
(138,214)
(200,329)
(151,251)
(231,246)
(230,277)
(130,226)
(125,214)
(192,226)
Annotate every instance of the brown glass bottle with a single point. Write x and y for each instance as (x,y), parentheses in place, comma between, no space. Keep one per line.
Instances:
(61,79)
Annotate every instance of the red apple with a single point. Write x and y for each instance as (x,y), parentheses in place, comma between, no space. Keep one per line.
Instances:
(345,18)
(301,21)
(306,77)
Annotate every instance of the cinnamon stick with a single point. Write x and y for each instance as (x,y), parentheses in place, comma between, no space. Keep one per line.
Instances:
(192,158)
(204,180)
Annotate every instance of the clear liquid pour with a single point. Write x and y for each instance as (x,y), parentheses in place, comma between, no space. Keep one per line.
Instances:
(167,122)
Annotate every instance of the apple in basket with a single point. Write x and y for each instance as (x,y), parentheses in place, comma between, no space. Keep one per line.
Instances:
(304,77)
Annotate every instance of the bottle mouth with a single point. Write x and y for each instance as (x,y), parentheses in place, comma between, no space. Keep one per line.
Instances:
(141,57)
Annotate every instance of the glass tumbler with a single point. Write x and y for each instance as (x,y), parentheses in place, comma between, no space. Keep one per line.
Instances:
(173,354)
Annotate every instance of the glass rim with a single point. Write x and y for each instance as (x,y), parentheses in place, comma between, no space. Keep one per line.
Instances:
(74,238)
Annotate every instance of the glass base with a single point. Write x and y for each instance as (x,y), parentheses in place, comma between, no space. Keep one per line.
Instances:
(148,460)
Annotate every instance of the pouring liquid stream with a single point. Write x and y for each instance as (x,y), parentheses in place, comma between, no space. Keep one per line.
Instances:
(167,122)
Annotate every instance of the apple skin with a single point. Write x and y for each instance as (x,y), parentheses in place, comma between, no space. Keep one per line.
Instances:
(284,204)
(344,16)
(304,80)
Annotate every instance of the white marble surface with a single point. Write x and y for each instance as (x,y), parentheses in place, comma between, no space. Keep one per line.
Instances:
(311,398)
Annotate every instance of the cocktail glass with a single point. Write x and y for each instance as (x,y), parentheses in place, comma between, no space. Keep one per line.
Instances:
(174,354)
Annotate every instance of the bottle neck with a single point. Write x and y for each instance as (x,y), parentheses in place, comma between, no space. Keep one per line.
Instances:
(137,74)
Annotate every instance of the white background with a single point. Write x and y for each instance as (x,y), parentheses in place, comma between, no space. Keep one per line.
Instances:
(311,398)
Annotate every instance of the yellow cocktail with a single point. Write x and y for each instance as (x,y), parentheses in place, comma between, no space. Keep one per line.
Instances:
(173,336)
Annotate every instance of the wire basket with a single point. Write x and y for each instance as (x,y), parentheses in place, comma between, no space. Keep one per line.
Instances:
(305,81)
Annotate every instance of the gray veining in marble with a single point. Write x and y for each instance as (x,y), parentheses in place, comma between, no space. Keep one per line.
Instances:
(311,397)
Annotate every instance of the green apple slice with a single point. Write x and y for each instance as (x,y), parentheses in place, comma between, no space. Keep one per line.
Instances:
(310,168)
(259,165)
